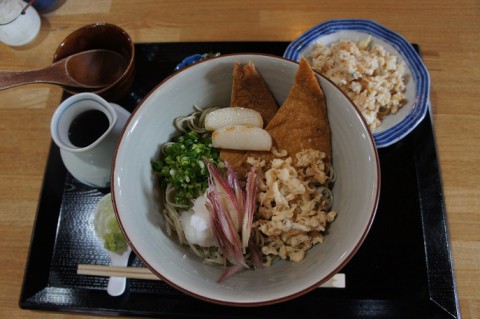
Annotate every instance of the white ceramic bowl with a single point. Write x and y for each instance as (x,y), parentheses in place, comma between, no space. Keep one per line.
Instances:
(208,83)
(394,127)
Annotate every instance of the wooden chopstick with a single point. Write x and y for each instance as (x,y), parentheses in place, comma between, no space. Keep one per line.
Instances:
(337,281)
(116,271)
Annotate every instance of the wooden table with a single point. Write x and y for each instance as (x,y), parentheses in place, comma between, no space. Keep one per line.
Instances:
(448,32)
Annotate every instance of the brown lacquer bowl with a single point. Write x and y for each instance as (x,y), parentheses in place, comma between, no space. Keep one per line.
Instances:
(101,36)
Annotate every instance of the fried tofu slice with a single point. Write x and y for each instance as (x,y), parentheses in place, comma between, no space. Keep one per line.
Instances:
(249,90)
(301,123)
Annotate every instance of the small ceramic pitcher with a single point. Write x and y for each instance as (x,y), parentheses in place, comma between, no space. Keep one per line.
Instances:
(89,163)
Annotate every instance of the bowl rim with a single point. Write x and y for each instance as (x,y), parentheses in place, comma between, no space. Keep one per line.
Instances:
(404,48)
(263,302)
(131,60)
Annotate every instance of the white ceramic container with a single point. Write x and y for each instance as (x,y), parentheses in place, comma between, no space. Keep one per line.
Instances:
(18,29)
(138,209)
(89,164)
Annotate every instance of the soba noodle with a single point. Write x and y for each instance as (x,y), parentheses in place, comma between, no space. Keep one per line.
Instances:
(172,210)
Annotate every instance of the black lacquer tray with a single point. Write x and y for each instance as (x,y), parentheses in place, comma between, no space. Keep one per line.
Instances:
(403,269)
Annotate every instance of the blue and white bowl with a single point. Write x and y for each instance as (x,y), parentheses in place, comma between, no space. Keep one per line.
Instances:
(396,126)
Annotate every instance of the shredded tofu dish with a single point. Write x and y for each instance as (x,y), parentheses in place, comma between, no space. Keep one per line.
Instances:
(372,77)
(294,205)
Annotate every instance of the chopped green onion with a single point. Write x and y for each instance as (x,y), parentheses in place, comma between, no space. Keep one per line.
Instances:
(182,165)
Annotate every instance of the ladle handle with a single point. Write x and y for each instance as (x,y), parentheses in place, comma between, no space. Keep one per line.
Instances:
(9,79)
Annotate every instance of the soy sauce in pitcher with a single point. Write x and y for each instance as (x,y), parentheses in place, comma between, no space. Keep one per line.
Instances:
(87,127)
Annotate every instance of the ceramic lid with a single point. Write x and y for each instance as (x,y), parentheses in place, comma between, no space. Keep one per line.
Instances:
(10,10)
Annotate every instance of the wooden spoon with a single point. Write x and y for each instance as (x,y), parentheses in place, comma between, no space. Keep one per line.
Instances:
(88,69)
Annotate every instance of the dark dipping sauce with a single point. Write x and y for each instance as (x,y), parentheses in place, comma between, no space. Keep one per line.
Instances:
(87,127)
